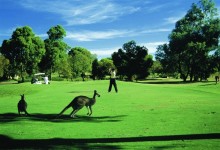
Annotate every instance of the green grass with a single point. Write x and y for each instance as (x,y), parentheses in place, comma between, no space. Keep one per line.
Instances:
(151,114)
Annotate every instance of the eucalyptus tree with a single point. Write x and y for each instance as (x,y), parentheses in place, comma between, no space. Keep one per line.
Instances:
(132,60)
(80,60)
(100,69)
(24,51)
(56,49)
(4,63)
(192,40)
(95,68)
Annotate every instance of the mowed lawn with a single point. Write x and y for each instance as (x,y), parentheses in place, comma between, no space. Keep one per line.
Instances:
(152,115)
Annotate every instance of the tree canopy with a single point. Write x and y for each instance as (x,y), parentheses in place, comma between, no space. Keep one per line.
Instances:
(4,63)
(192,40)
(56,49)
(24,51)
(101,68)
(132,60)
(81,61)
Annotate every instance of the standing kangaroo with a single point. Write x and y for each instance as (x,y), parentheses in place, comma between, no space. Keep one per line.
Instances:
(79,102)
(22,106)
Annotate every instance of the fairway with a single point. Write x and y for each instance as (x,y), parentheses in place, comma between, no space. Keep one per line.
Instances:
(152,115)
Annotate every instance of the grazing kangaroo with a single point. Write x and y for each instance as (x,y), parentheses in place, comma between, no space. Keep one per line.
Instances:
(79,102)
(22,106)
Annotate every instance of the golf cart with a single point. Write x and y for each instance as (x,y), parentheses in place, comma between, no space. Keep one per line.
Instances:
(37,79)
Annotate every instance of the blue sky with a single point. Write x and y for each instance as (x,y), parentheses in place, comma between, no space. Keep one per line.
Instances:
(101,26)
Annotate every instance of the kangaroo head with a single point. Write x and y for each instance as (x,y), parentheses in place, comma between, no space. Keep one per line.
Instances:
(95,93)
(22,97)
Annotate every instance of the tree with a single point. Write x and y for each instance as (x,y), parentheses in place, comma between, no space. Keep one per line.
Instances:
(156,68)
(95,67)
(64,69)
(4,63)
(81,61)
(194,36)
(56,49)
(103,67)
(167,58)
(56,33)
(215,61)
(132,60)
(24,50)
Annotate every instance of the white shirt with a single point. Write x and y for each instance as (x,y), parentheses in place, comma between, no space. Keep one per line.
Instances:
(113,74)
(46,80)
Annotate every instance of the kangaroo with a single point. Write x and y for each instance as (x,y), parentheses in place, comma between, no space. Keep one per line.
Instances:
(22,106)
(79,102)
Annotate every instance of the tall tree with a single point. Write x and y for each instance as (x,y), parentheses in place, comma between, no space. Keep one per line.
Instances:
(56,49)
(24,51)
(215,61)
(156,69)
(81,61)
(194,36)
(4,63)
(132,60)
(102,67)
(95,68)
(64,69)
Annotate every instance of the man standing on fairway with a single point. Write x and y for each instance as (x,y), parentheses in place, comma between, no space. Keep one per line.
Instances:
(112,80)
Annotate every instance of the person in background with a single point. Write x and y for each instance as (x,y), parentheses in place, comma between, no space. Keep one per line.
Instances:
(46,80)
(112,80)
(216,79)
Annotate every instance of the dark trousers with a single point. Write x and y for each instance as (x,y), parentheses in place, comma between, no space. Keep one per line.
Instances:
(112,82)
(216,79)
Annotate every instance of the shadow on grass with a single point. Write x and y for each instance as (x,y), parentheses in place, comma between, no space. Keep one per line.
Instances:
(206,83)
(95,143)
(5,83)
(161,82)
(12,117)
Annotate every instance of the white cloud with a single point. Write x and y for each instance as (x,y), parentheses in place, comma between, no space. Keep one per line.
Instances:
(152,46)
(156,30)
(107,52)
(42,35)
(76,12)
(171,20)
(97,35)
(156,8)
(87,35)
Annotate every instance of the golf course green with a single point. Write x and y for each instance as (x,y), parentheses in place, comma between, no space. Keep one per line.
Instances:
(150,114)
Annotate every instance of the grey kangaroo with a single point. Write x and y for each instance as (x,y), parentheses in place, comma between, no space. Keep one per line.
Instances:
(22,106)
(79,102)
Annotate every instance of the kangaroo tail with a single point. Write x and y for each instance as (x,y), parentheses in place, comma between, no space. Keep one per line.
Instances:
(68,106)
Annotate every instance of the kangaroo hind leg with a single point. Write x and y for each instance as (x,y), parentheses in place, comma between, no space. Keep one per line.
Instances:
(89,108)
(72,114)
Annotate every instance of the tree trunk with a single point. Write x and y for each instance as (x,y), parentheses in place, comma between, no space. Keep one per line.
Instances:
(184,77)
(22,77)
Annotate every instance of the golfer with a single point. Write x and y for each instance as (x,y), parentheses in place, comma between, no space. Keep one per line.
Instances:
(112,80)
